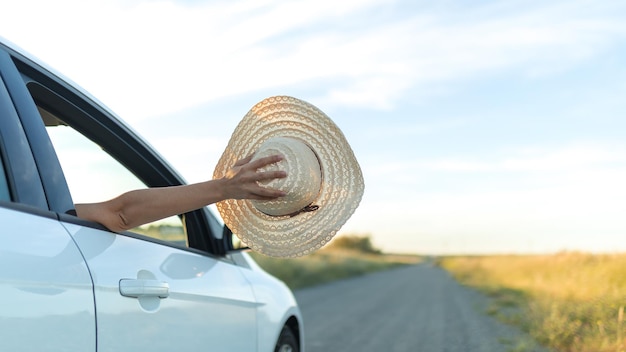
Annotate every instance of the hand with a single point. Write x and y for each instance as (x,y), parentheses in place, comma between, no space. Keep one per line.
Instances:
(241,182)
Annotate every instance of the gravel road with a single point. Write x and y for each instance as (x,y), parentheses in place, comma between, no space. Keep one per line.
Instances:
(415,308)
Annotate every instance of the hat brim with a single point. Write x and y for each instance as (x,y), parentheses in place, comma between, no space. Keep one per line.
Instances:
(342,181)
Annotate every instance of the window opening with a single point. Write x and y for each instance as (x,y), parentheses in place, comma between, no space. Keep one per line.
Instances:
(93,176)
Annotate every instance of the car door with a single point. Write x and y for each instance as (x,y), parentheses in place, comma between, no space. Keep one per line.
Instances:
(153,290)
(151,296)
(46,291)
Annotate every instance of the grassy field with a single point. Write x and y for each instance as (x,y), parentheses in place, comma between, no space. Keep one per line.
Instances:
(570,302)
(329,264)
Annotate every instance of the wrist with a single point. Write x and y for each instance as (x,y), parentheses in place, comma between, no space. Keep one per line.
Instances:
(219,189)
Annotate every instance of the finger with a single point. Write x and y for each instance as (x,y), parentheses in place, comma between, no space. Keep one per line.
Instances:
(270,175)
(262,193)
(244,160)
(259,163)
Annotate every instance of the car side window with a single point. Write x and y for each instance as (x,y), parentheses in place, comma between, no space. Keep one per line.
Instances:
(93,175)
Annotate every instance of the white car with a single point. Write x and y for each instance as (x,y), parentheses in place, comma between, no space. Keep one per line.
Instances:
(71,285)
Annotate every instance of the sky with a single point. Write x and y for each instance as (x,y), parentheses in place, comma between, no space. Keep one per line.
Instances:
(480,127)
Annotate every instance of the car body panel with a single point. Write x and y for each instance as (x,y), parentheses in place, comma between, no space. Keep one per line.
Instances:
(45,287)
(269,298)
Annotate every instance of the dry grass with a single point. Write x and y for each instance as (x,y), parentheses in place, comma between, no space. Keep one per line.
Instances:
(567,301)
(328,265)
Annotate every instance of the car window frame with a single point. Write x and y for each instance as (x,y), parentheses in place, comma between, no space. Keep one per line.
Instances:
(25,186)
(103,127)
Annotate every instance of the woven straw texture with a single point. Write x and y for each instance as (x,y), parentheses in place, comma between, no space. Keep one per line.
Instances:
(305,179)
(341,188)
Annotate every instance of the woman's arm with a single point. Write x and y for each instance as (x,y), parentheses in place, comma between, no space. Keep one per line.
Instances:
(139,207)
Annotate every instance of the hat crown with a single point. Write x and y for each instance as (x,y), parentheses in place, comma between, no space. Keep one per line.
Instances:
(303,181)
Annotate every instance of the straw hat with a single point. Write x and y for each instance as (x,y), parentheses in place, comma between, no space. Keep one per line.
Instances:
(324,183)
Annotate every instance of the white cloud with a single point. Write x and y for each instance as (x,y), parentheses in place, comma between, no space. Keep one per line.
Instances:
(147,58)
(535,199)
(584,211)
(570,158)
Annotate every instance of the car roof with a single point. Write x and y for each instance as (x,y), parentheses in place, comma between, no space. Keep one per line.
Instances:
(23,54)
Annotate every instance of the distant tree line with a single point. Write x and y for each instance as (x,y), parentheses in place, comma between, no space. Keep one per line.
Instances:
(361,243)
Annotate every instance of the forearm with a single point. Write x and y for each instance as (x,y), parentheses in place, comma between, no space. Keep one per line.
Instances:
(142,206)
(146,205)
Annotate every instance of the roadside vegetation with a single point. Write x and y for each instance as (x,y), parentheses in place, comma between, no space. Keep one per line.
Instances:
(345,256)
(570,302)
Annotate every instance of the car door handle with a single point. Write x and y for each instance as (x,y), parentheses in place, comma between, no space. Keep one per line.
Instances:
(144,288)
